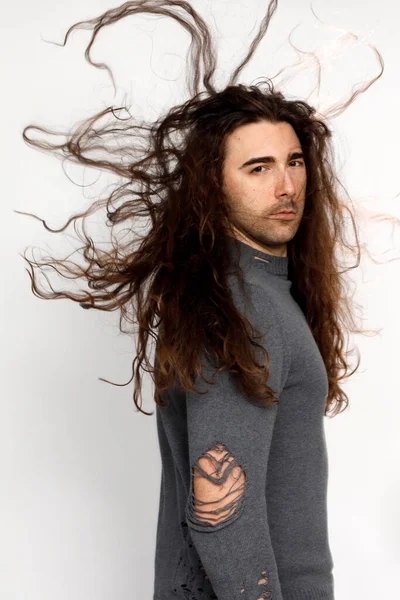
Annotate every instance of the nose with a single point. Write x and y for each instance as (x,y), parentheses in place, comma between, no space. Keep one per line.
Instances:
(285,185)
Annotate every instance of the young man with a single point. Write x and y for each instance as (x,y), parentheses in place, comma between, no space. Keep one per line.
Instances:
(254,520)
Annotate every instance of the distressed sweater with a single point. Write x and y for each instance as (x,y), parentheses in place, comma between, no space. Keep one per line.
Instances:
(255,526)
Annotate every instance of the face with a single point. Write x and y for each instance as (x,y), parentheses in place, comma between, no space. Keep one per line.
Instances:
(274,181)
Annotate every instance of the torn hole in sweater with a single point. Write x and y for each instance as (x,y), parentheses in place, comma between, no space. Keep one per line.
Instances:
(218,484)
(264,594)
(191,581)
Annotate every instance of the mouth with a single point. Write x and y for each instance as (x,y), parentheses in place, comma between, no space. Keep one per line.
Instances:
(284,215)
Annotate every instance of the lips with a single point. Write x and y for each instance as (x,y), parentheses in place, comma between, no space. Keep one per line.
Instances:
(284,216)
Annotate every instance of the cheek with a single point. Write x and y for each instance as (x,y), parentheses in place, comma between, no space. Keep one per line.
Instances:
(228,183)
(235,187)
(300,184)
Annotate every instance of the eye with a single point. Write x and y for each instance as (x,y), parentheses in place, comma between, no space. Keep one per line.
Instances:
(259,167)
(298,161)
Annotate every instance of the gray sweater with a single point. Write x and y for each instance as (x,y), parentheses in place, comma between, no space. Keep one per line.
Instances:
(264,534)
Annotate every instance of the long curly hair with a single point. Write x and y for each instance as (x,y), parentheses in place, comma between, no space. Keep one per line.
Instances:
(172,280)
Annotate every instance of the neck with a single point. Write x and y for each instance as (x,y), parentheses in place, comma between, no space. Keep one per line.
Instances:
(249,256)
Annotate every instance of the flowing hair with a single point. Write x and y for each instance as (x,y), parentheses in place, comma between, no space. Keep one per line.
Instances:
(173,281)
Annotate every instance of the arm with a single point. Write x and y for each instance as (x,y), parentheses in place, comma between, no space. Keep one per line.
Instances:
(229,441)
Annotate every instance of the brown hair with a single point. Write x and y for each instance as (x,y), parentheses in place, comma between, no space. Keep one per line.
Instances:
(175,278)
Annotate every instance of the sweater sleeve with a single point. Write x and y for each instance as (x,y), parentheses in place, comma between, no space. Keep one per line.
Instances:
(229,443)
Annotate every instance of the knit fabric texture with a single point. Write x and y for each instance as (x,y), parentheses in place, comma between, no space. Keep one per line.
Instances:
(243,495)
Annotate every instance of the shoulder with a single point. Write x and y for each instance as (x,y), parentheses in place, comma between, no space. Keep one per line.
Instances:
(260,304)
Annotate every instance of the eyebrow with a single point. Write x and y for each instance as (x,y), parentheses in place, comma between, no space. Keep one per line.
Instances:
(269,159)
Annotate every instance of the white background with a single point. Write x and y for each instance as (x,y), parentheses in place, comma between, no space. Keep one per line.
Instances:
(80,467)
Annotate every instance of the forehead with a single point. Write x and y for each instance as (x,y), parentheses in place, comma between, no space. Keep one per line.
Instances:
(260,139)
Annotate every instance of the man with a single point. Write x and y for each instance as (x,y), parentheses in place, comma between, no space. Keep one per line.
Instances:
(254,523)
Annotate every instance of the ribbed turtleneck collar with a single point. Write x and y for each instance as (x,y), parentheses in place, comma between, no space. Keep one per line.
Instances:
(249,256)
